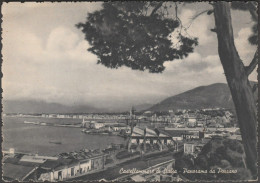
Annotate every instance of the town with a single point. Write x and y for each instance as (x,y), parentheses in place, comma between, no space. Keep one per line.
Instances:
(152,141)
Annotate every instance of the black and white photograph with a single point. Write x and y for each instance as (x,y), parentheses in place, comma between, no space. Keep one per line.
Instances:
(129,91)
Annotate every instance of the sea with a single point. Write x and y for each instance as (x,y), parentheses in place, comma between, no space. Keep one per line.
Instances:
(30,138)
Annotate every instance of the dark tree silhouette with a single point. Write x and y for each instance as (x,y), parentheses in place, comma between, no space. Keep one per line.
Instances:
(218,154)
(122,34)
(137,35)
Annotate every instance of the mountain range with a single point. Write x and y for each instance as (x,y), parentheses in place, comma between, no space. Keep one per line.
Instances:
(211,96)
(34,107)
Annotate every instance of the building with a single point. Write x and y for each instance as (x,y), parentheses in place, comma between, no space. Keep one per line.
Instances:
(53,170)
(75,164)
(60,116)
(18,172)
(177,135)
(96,125)
(119,127)
(165,137)
(36,158)
(107,128)
(193,147)
(97,162)
(84,166)
(10,152)
(53,115)
(150,136)
(191,120)
(27,166)
(137,135)
(85,124)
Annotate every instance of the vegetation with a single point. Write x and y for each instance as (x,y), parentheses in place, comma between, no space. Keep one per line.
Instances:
(214,113)
(218,155)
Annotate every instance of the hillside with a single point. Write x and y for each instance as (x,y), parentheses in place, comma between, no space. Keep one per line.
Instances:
(142,107)
(211,96)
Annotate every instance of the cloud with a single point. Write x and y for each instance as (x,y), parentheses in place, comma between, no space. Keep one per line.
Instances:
(244,48)
(195,28)
(63,69)
(193,63)
(61,40)
(195,70)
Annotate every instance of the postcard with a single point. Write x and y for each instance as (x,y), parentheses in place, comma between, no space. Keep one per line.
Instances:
(129,91)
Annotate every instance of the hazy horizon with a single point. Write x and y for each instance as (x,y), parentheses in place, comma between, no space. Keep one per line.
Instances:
(105,109)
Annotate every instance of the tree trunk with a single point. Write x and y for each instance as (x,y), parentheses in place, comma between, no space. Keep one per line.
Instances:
(238,83)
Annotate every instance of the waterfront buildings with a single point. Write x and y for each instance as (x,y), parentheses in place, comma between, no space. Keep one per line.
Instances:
(96,125)
(67,168)
(59,169)
(24,167)
(118,127)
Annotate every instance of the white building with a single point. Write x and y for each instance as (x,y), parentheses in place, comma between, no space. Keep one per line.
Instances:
(96,125)
(84,166)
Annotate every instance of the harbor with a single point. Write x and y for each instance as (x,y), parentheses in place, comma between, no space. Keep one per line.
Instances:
(18,135)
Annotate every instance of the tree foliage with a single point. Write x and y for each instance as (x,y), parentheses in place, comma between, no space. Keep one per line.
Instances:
(122,34)
(224,154)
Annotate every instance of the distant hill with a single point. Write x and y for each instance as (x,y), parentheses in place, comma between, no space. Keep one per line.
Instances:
(29,106)
(142,107)
(33,107)
(211,96)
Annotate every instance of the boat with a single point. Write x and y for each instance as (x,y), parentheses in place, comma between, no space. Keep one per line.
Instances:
(55,142)
(31,122)
(28,122)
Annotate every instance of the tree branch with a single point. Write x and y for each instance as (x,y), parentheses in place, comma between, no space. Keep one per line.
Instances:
(253,10)
(209,11)
(156,8)
(254,87)
(249,69)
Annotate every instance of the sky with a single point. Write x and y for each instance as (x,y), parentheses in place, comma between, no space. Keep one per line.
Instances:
(45,58)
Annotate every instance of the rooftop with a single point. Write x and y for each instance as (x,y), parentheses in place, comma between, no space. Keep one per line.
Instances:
(36,159)
(58,164)
(17,161)
(174,133)
(150,133)
(138,178)
(119,125)
(50,164)
(16,172)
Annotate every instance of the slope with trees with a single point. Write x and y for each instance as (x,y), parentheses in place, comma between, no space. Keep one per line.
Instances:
(223,159)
